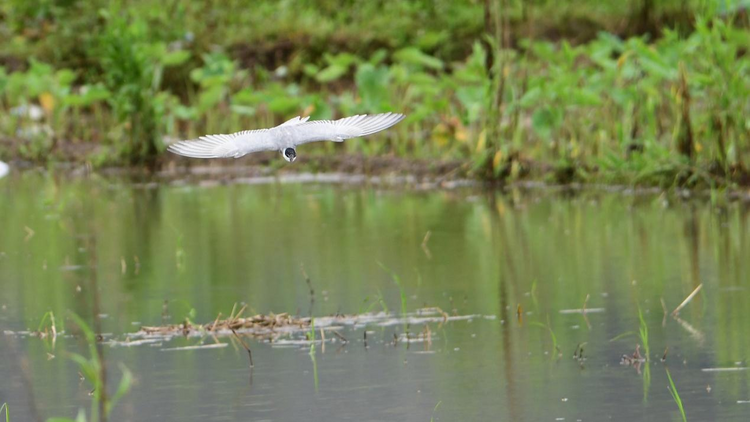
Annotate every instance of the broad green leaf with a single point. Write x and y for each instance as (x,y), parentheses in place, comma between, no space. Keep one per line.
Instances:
(331,73)
(413,56)
(175,58)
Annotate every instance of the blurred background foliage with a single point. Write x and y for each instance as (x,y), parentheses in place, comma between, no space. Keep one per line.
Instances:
(637,91)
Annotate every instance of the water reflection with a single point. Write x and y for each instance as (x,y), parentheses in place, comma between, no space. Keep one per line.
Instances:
(115,252)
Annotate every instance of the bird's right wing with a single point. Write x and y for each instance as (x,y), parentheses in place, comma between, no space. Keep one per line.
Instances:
(349,127)
(233,145)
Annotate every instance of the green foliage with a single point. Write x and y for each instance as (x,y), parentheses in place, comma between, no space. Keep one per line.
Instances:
(622,109)
(397,281)
(91,368)
(676,396)
(643,330)
(132,76)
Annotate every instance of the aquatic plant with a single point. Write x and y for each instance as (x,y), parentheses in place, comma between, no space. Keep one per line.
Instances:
(311,338)
(643,332)
(675,395)
(92,369)
(548,327)
(5,407)
(48,317)
(397,281)
(432,418)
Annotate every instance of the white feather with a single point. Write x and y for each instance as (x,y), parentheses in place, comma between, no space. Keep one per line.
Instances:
(293,132)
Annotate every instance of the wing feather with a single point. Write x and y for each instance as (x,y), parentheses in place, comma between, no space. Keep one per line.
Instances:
(296,131)
(225,145)
(346,128)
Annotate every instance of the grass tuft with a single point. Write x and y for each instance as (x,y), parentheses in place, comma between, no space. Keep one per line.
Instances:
(676,396)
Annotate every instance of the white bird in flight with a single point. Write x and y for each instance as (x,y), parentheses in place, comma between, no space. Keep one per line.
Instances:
(285,137)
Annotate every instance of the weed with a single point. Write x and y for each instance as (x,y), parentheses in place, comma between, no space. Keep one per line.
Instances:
(432,418)
(555,348)
(676,396)
(397,281)
(643,331)
(666,111)
(93,370)
(311,337)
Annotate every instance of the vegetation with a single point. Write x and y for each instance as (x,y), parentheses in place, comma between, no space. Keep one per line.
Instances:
(93,370)
(513,89)
(676,396)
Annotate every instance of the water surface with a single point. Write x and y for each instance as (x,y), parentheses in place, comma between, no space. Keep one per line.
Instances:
(137,253)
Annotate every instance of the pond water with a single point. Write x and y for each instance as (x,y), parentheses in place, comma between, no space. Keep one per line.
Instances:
(519,263)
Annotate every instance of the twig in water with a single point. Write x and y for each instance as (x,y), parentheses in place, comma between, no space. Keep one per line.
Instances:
(583,312)
(585,302)
(309,286)
(337,334)
(519,314)
(242,309)
(165,310)
(231,315)
(216,321)
(29,233)
(427,336)
(249,352)
(664,357)
(687,300)
(365,339)
(664,308)
(425,249)
(578,354)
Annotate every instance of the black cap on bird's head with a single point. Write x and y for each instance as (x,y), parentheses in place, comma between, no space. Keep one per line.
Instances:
(289,154)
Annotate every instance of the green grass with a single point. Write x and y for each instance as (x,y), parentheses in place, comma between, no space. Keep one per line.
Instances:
(432,418)
(676,396)
(643,332)
(397,281)
(311,336)
(92,369)
(50,318)
(553,337)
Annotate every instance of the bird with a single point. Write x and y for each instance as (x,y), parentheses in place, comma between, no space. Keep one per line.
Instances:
(284,138)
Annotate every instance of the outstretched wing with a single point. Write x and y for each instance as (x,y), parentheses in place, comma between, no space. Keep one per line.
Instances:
(349,127)
(233,145)
(225,146)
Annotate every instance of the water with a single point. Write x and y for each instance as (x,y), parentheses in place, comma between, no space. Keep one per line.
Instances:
(121,248)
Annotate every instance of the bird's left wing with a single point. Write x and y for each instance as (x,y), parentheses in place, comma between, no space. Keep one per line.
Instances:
(349,127)
(232,145)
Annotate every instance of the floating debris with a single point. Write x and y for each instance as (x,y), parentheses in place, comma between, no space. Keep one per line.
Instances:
(286,330)
(730,369)
(130,343)
(687,300)
(635,359)
(199,347)
(583,311)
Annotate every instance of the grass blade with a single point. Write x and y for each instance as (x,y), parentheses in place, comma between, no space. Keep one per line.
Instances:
(676,396)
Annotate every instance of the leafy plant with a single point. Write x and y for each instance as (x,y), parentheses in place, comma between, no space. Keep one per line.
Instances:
(92,369)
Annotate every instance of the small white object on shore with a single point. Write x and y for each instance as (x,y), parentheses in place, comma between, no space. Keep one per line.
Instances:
(4,169)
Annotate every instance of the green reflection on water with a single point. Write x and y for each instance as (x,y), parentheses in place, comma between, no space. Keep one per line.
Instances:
(208,248)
